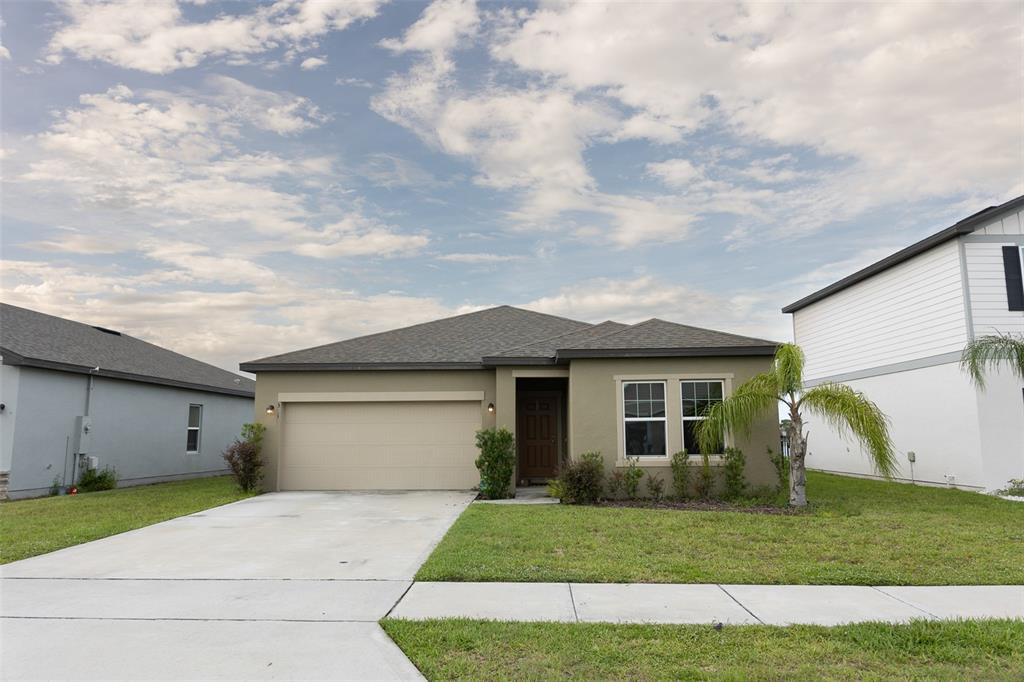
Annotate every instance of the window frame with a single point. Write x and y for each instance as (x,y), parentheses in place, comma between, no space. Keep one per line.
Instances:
(625,419)
(683,418)
(198,429)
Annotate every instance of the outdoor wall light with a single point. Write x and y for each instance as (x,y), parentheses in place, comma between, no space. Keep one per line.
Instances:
(490,408)
(270,409)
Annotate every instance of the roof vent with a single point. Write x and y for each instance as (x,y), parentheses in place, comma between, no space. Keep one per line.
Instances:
(107,331)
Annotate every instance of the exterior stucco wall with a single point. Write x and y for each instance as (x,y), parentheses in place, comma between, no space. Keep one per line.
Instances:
(594,398)
(9,379)
(137,428)
(270,385)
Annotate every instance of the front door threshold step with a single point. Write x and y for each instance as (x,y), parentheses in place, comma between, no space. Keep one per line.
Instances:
(706,604)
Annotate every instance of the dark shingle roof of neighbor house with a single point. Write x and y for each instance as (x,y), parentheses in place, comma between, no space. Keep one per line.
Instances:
(37,340)
(965,226)
(507,335)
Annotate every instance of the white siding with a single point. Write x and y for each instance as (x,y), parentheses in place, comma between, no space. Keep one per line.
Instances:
(911,311)
(990,311)
(1008,223)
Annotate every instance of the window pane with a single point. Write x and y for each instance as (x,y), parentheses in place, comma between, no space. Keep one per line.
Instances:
(643,391)
(701,389)
(658,408)
(690,440)
(687,389)
(689,408)
(658,391)
(192,444)
(715,392)
(630,391)
(631,408)
(645,439)
(645,408)
(194,415)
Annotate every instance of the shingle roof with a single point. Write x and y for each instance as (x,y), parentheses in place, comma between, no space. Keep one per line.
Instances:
(656,337)
(34,339)
(545,349)
(507,335)
(965,226)
(458,342)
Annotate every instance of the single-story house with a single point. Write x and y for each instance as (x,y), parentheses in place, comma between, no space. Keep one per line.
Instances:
(73,396)
(400,409)
(895,330)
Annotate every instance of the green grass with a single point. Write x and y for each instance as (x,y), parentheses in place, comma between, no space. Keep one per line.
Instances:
(31,527)
(857,531)
(488,650)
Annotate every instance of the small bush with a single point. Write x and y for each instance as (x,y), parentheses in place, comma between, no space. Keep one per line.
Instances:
(631,477)
(556,489)
(616,481)
(655,487)
(582,479)
(92,480)
(705,479)
(733,466)
(243,457)
(496,462)
(1014,487)
(781,465)
(55,487)
(681,474)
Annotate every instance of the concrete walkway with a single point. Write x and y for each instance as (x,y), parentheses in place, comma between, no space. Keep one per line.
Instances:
(730,604)
(285,586)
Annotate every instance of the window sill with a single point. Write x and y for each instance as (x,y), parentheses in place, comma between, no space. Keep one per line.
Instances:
(695,461)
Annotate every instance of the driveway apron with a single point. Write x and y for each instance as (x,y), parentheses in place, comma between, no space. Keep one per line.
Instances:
(280,586)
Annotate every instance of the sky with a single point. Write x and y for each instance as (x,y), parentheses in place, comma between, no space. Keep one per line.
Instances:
(233,180)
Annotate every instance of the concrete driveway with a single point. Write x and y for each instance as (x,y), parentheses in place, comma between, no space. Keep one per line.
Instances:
(280,586)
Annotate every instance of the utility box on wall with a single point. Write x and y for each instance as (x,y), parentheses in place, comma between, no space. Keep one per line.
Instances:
(83,431)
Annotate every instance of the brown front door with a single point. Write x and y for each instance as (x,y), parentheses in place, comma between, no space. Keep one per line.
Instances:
(537,433)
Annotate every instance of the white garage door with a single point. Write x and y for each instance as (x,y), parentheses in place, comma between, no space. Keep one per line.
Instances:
(380,446)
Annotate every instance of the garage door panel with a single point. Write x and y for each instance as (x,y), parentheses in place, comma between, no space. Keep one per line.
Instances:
(378,445)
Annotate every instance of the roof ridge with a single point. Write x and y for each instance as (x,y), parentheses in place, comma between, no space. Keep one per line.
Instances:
(590,325)
(648,321)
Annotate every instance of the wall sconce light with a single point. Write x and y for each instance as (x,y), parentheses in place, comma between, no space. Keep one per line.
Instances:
(490,408)
(271,409)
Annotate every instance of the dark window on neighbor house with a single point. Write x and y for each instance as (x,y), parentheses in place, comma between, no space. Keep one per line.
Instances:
(1012,271)
(697,396)
(643,409)
(195,425)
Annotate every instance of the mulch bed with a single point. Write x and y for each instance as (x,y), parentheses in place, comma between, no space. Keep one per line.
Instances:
(700,505)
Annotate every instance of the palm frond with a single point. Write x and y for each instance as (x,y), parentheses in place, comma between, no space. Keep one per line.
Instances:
(849,412)
(988,352)
(789,368)
(751,400)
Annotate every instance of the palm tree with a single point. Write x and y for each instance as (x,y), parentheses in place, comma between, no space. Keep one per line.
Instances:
(987,352)
(847,410)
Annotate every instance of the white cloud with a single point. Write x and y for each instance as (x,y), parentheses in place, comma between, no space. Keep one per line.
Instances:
(154,36)
(674,172)
(312,63)
(478,258)
(443,25)
(353,82)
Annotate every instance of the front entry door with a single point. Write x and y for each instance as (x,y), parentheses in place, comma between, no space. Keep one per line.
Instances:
(537,433)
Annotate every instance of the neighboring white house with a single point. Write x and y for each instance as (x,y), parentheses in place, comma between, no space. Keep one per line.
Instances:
(895,331)
(73,395)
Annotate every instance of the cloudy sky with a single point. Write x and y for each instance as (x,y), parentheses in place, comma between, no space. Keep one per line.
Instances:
(233,180)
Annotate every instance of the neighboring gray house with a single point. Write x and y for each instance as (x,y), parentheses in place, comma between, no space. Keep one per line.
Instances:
(73,395)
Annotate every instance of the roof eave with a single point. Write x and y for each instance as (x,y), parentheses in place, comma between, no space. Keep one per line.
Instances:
(503,360)
(12,358)
(692,352)
(257,367)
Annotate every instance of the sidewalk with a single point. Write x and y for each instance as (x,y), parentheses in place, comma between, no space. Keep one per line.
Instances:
(729,604)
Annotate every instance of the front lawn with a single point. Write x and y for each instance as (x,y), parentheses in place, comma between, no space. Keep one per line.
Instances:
(857,532)
(489,650)
(31,527)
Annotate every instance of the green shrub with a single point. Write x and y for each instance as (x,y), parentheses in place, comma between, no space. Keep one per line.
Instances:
(1014,487)
(496,462)
(655,487)
(616,481)
(781,465)
(705,479)
(243,457)
(681,474)
(92,480)
(733,466)
(631,477)
(582,479)
(556,489)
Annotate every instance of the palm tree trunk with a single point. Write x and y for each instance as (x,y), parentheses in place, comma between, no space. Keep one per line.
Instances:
(797,473)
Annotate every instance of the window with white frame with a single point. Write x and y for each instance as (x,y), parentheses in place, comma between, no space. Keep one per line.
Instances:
(195,425)
(643,410)
(697,396)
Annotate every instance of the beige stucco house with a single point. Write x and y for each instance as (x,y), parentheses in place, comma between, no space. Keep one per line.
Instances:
(400,409)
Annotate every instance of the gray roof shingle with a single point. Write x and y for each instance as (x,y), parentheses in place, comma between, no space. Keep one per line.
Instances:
(546,349)
(660,338)
(453,342)
(34,339)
